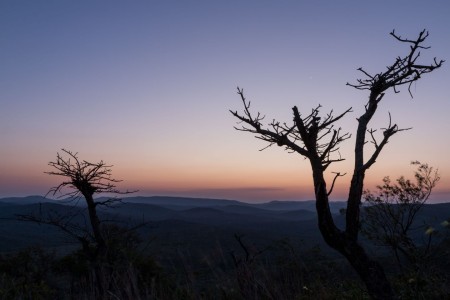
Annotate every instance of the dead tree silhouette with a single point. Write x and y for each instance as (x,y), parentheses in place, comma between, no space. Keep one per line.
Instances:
(83,179)
(316,138)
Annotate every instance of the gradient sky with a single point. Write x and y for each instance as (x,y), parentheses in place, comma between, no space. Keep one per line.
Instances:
(146,86)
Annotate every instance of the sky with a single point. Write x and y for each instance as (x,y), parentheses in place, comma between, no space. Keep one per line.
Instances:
(147,86)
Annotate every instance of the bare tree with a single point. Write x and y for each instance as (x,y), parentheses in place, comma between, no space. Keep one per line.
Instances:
(86,179)
(317,139)
(390,217)
(83,179)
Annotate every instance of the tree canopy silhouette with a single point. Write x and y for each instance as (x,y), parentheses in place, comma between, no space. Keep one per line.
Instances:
(318,139)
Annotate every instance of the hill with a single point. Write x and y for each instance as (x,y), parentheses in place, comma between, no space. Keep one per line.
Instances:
(169,222)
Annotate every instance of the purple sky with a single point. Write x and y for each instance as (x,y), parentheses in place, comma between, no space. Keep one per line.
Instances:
(146,86)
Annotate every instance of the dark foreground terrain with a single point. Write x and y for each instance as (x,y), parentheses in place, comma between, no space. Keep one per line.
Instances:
(186,248)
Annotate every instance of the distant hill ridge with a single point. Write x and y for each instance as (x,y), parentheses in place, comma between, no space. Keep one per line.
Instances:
(178,202)
(184,203)
(182,218)
(25,200)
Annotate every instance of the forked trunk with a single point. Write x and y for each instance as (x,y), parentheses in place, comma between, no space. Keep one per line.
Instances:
(369,271)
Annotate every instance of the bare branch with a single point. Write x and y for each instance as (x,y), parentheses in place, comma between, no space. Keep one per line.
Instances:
(337,174)
(403,71)
(387,133)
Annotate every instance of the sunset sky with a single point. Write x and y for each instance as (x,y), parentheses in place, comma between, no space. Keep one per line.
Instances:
(146,86)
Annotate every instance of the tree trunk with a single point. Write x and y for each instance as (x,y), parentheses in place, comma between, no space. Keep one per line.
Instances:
(369,271)
(98,257)
(95,224)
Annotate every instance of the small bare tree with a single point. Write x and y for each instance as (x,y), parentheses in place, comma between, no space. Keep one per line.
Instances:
(83,179)
(86,179)
(317,139)
(391,215)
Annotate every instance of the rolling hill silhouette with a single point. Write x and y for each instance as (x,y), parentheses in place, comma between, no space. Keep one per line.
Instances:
(170,221)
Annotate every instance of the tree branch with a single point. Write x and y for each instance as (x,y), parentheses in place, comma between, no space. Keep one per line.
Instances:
(337,174)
